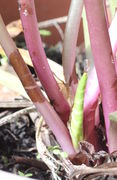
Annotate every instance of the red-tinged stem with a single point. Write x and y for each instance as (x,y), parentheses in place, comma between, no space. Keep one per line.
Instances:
(92,90)
(70,40)
(90,103)
(105,68)
(34,45)
(93,93)
(53,120)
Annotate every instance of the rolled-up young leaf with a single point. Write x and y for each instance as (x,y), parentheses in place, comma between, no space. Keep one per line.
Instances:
(76,118)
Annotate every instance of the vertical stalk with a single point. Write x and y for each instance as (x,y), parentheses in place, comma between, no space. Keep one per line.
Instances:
(70,40)
(105,67)
(52,119)
(92,93)
(36,51)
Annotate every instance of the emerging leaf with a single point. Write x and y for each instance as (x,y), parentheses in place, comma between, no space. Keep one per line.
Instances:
(77,112)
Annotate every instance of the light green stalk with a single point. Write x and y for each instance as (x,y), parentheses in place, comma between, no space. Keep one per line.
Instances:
(76,117)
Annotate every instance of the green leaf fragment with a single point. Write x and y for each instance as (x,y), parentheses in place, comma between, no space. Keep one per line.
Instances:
(38,156)
(113,116)
(113,6)
(44,32)
(4,60)
(51,148)
(56,151)
(21,173)
(64,154)
(25,175)
(29,175)
(76,118)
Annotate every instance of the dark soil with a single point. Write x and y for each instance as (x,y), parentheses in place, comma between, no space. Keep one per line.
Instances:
(17,139)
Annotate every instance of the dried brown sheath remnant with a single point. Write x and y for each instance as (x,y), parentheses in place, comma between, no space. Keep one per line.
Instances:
(26,78)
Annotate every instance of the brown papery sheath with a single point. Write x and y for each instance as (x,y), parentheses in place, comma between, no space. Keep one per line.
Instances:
(26,78)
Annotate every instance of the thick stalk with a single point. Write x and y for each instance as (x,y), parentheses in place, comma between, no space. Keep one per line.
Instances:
(53,120)
(102,53)
(70,39)
(34,45)
(92,93)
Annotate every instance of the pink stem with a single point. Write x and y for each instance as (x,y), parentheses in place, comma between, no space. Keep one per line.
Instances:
(34,45)
(92,93)
(90,103)
(56,125)
(50,116)
(102,53)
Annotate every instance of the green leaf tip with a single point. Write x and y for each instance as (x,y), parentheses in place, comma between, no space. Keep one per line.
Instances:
(76,118)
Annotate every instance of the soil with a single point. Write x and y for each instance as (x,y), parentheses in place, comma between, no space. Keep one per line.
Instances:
(17,139)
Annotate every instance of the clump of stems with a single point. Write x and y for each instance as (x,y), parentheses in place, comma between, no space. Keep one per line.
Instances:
(102,53)
(102,80)
(34,92)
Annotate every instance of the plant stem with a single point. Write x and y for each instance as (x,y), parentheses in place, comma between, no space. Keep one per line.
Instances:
(34,45)
(52,119)
(105,67)
(92,93)
(70,40)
